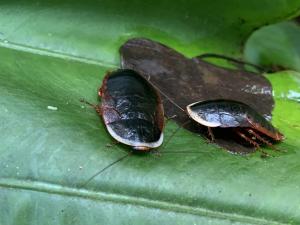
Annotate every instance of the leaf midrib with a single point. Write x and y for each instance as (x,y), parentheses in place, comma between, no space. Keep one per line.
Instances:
(50,188)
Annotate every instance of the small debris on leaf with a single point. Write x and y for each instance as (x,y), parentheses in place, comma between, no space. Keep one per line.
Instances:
(52,108)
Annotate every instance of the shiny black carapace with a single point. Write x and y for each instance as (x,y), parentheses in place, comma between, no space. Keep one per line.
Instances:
(132,110)
(241,118)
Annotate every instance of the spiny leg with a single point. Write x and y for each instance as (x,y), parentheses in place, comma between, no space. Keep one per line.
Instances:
(255,144)
(112,144)
(211,134)
(256,135)
(156,153)
(242,135)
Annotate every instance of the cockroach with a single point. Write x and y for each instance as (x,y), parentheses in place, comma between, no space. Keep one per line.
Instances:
(131,109)
(241,118)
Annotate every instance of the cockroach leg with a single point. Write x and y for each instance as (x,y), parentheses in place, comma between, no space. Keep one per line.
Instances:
(257,136)
(264,154)
(211,134)
(242,135)
(156,153)
(255,144)
(269,144)
(171,117)
(96,107)
(112,144)
(88,103)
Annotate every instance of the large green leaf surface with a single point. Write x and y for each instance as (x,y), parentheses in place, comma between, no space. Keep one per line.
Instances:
(53,54)
(276,45)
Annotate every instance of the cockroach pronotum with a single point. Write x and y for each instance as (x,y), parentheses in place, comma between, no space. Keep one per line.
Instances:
(241,118)
(131,109)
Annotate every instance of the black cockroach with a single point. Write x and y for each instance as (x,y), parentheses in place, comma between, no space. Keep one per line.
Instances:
(241,118)
(131,109)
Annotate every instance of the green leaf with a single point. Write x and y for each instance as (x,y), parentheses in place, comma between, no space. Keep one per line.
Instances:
(276,45)
(54,53)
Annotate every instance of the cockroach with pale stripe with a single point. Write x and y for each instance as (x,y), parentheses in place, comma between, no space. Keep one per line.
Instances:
(131,110)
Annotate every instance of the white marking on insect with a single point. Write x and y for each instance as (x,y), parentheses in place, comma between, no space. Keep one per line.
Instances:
(200,120)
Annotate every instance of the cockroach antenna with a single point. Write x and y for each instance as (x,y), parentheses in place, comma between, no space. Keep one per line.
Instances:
(124,157)
(104,169)
(165,95)
(174,103)
(210,133)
